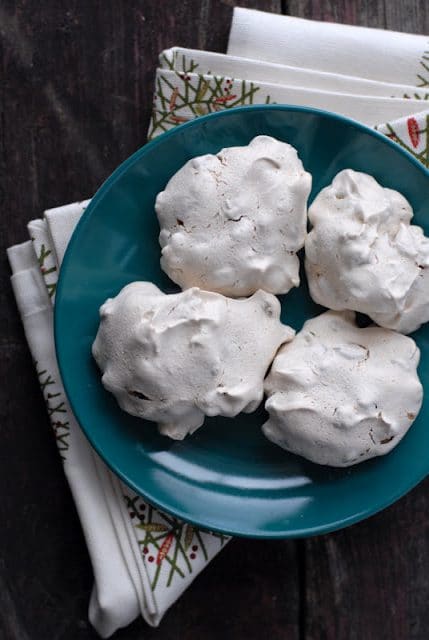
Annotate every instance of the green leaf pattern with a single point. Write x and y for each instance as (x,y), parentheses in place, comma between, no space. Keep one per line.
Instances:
(57,412)
(423,74)
(181,94)
(171,550)
(47,265)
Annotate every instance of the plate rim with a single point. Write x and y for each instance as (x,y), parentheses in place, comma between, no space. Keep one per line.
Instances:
(290,533)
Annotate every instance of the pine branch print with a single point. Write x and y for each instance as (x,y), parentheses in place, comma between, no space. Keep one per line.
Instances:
(422,155)
(423,78)
(174,563)
(189,535)
(61,438)
(52,287)
(169,62)
(55,406)
(44,257)
(43,254)
(152,526)
(164,540)
(45,381)
(416,96)
(182,95)
(59,408)
(200,540)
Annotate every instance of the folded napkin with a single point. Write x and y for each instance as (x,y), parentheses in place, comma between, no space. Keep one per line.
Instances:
(193,83)
(384,56)
(143,559)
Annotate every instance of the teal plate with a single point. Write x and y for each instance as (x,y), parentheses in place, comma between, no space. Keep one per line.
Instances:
(226,477)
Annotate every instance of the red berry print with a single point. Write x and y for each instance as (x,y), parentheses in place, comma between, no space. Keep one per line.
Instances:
(413,131)
(145,550)
(151,559)
(195,547)
(192,556)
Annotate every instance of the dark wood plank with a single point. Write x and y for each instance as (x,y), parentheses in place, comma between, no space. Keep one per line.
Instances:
(248,593)
(371,580)
(367,13)
(75,96)
(411,16)
(74,101)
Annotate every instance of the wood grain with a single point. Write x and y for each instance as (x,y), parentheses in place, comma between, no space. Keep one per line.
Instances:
(75,96)
(411,16)
(365,13)
(371,580)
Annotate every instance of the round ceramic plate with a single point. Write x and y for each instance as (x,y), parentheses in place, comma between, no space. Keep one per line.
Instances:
(226,477)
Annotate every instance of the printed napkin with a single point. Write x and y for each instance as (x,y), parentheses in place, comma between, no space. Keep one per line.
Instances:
(143,559)
(193,83)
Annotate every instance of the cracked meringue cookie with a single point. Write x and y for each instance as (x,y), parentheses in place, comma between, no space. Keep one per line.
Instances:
(338,394)
(177,358)
(363,254)
(233,222)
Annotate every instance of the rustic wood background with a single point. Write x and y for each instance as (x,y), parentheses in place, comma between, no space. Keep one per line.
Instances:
(75,94)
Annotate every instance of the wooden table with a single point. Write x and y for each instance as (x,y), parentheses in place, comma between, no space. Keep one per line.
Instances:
(75,94)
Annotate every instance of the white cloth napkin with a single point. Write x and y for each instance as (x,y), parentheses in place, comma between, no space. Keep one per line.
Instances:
(384,56)
(191,83)
(142,559)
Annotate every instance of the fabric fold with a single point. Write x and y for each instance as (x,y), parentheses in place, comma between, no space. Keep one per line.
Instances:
(125,550)
(376,54)
(180,60)
(143,559)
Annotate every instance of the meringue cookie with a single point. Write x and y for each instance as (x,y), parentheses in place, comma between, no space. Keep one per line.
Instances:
(233,222)
(339,395)
(363,253)
(177,358)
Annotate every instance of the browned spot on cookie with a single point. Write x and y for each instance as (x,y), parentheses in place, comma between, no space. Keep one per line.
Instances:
(410,415)
(138,394)
(386,440)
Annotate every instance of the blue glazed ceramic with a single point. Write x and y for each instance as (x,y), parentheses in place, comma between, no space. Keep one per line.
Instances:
(227,477)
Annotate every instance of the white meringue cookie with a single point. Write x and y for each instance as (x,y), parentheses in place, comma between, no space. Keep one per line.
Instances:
(233,222)
(339,394)
(363,254)
(177,358)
